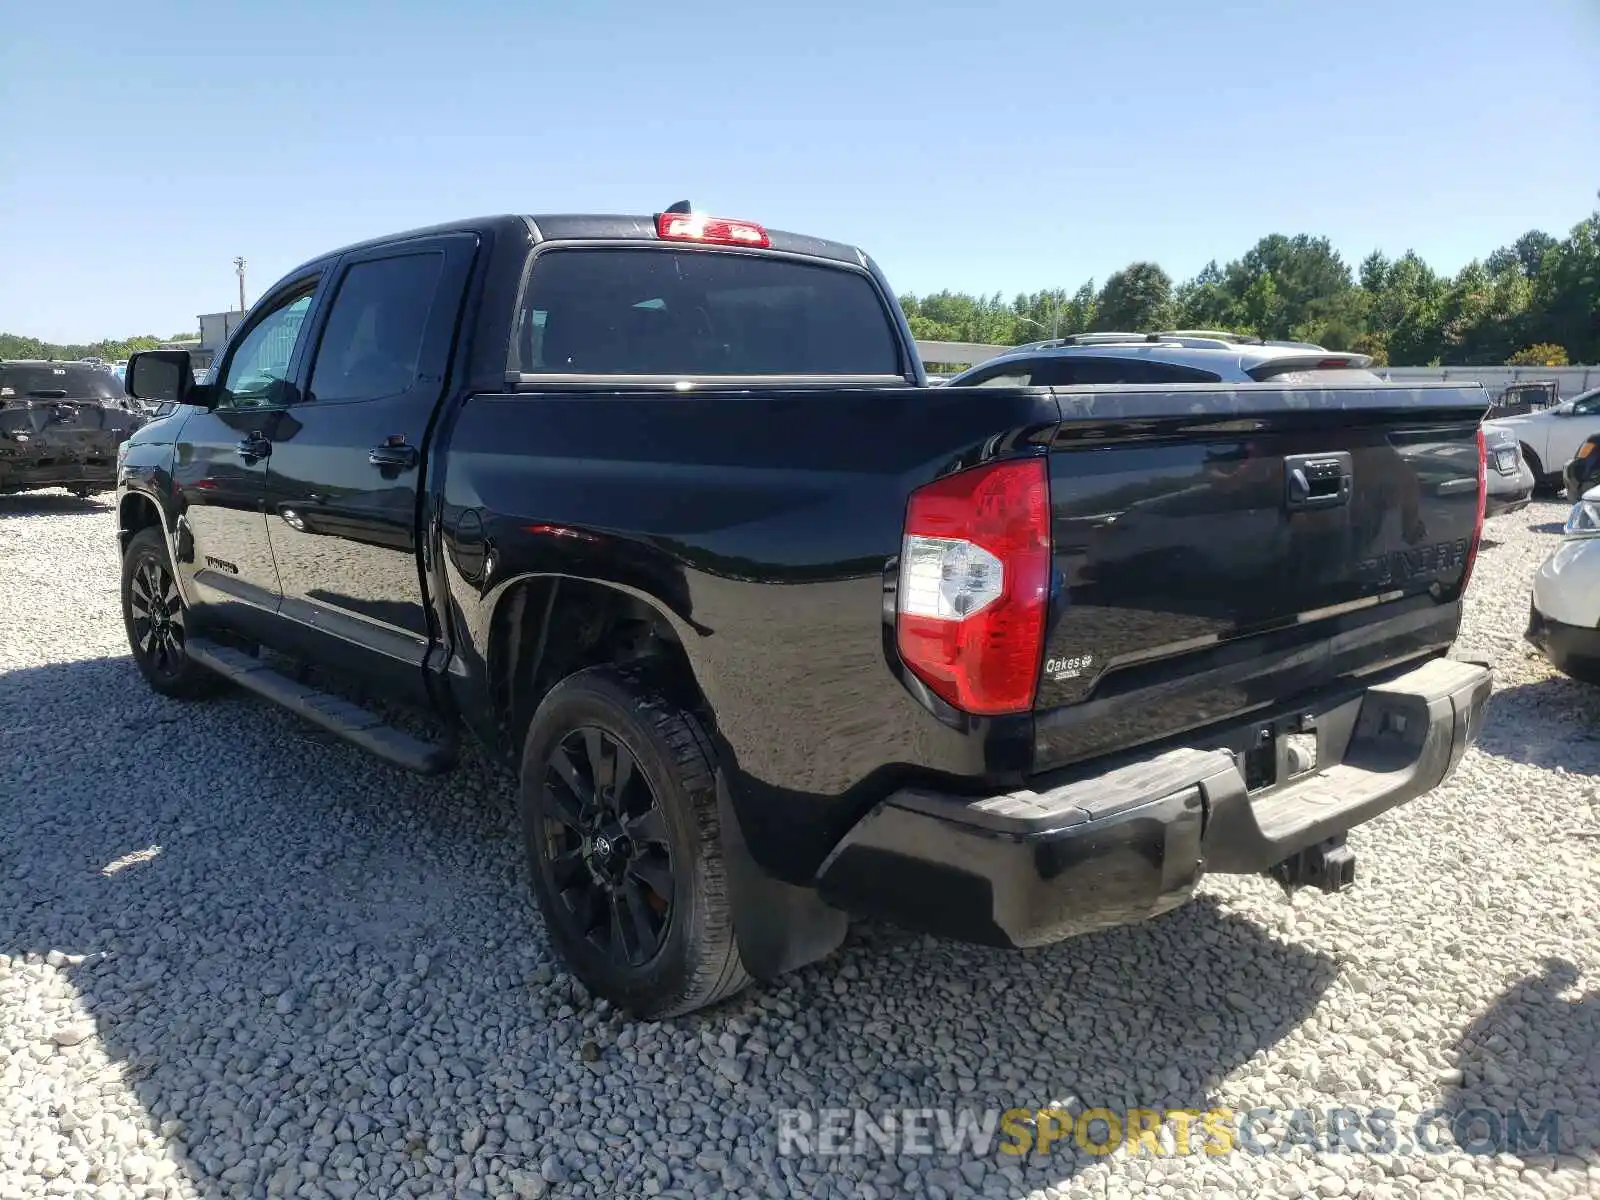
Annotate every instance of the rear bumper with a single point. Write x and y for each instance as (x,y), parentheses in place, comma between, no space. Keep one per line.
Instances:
(1034,866)
(1508,493)
(1564,645)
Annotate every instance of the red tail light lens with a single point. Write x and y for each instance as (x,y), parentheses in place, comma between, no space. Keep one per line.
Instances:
(697,227)
(975,585)
(1483,499)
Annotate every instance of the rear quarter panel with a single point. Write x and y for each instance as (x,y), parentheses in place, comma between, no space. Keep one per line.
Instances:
(761,525)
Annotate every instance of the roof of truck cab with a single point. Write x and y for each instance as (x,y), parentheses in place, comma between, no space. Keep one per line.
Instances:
(551,227)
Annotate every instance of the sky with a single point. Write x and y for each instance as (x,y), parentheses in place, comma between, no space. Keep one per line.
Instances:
(1039,144)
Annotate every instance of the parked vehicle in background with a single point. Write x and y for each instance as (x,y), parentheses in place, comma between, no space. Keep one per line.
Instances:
(1150,358)
(662,510)
(1510,478)
(1564,614)
(61,424)
(1583,472)
(1520,399)
(1551,437)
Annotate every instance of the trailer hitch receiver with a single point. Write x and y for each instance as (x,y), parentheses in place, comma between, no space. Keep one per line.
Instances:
(1329,865)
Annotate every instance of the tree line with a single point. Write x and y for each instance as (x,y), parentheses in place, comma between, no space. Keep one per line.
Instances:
(1535,302)
(15,345)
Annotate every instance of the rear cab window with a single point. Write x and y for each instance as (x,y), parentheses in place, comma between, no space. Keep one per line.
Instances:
(641,311)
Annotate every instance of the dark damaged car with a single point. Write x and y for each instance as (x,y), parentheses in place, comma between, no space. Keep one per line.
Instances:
(61,424)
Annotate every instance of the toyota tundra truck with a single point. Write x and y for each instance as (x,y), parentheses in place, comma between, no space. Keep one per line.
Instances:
(663,512)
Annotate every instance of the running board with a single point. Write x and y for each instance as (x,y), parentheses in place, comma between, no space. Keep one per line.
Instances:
(338,716)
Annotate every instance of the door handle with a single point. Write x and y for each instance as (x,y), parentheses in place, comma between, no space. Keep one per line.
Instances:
(254,446)
(393,455)
(1316,480)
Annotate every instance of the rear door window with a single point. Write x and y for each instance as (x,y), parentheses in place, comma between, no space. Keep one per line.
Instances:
(697,312)
(372,345)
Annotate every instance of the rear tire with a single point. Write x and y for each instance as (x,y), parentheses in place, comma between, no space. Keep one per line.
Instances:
(626,857)
(157,620)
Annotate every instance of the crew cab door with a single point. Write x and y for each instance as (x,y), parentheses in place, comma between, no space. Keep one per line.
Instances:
(349,458)
(220,463)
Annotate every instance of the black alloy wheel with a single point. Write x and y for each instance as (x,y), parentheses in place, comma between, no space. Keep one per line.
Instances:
(619,806)
(156,620)
(606,846)
(158,624)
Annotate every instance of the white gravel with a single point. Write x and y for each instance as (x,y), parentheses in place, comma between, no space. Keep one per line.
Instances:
(238,961)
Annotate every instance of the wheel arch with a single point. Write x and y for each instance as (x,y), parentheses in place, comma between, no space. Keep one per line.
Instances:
(543,628)
(135,511)
(779,926)
(1535,463)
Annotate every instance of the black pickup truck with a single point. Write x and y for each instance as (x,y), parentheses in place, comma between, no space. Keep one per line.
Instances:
(663,511)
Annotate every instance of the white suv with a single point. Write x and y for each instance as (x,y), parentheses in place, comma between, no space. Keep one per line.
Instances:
(1551,437)
(1182,356)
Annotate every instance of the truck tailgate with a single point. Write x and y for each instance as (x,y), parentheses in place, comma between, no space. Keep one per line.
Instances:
(1216,550)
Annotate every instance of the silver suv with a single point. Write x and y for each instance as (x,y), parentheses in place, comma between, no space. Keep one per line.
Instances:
(1178,356)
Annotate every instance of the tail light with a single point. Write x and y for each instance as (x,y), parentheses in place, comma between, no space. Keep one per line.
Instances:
(975,585)
(1483,499)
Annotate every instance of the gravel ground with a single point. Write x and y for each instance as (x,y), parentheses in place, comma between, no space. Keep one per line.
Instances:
(238,961)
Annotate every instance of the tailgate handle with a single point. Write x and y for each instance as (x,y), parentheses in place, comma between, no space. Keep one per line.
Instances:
(1316,480)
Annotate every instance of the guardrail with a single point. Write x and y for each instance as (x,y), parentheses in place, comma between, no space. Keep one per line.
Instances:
(971,353)
(1569,380)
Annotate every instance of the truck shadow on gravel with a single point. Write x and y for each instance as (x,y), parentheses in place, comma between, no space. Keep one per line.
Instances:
(1530,1072)
(47,504)
(1551,722)
(314,975)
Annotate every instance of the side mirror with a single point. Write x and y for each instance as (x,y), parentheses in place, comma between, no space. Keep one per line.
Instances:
(160,376)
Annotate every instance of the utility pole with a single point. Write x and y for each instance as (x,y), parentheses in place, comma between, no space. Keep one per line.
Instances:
(238,266)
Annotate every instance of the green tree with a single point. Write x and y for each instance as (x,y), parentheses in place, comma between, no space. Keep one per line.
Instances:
(1205,302)
(1542,355)
(1309,283)
(1137,298)
(1565,306)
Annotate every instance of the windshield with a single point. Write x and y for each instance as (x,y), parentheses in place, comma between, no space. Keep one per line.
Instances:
(682,313)
(58,381)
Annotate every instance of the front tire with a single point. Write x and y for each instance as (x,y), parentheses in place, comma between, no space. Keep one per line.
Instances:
(618,802)
(157,620)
